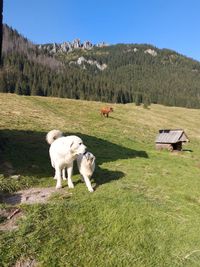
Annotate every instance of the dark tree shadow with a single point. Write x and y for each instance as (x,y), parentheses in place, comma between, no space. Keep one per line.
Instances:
(102,176)
(27,153)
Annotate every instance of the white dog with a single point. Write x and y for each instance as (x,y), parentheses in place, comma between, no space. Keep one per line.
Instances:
(86,166)
(63,151)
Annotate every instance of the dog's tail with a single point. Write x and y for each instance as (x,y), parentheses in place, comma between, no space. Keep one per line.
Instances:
(53,135)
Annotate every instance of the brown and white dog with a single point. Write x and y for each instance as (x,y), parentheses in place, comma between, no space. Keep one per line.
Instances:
(86,166)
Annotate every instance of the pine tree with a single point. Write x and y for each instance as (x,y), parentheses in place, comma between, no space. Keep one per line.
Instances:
(3,82)
(138,99)
(1,29)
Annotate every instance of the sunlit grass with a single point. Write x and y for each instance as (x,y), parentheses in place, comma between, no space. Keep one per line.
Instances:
(145,210)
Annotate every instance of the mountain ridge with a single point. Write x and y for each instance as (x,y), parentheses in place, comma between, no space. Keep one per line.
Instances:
(120,73)
(67,47)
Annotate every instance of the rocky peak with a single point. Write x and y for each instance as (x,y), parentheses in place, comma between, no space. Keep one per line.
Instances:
(67,47)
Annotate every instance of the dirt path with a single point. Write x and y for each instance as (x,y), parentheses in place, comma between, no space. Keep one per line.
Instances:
(10,215)
(32,196)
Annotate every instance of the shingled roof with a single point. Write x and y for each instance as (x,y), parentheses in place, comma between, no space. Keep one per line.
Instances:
(167,136)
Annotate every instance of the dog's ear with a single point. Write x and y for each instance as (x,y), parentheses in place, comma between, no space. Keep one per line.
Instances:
(87,155)
(93,159)
(72,144)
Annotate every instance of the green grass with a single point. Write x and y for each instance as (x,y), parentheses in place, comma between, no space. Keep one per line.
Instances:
(145,210)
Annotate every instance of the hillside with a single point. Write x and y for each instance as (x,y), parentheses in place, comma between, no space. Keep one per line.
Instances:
(122,73)
(145,208)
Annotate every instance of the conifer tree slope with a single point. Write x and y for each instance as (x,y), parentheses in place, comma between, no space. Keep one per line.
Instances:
(121,73)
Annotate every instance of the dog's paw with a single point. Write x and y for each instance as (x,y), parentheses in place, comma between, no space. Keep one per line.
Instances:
(91,189)
(64,178)
(70,185)
(58,186)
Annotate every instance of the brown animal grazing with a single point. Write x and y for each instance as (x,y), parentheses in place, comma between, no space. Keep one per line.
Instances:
(105,111)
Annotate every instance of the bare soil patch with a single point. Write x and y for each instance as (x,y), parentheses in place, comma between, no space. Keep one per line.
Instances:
(10,215)
(31,196)
(26,263)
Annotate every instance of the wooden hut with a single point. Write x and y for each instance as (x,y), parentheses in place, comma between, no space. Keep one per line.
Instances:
(171,139)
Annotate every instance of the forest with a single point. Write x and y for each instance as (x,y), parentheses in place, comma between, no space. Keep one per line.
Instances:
(139,73)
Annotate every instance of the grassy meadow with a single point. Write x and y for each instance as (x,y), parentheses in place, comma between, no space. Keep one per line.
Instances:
(145,210)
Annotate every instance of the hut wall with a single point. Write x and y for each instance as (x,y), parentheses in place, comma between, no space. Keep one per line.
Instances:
(164,146)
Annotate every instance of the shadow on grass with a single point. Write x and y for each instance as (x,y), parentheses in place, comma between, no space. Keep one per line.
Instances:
(11,199)
(187,150)
(27,153)
(102,176)
(113,118)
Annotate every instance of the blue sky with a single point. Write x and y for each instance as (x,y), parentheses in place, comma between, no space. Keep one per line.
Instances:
(173,24)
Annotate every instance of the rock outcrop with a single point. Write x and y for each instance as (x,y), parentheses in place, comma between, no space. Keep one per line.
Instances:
(81,62)
(67,47)
(151,52)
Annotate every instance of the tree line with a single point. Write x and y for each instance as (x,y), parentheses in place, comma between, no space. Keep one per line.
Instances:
(132,74)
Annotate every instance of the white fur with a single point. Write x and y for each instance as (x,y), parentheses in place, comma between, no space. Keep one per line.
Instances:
(53,135)
(86,166)
(63,151)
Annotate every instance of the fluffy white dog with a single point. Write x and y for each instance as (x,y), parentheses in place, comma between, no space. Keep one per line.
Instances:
(86,166)
(63,151)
